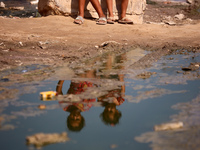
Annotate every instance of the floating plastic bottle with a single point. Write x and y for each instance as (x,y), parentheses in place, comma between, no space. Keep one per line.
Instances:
(48,95)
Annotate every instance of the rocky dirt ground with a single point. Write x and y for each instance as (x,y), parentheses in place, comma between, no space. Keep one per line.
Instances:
(55,40)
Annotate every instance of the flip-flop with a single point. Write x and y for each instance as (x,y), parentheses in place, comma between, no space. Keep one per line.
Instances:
(79,20)
(101,21)
(110,20)
(125,21)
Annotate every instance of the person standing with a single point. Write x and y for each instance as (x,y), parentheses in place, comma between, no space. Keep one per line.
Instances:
(123,19)
(79,19)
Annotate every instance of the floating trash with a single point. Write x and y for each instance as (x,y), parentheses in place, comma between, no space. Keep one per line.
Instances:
(42,106)
(48,95)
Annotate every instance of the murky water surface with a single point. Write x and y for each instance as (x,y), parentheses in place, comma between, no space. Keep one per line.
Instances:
(110,102)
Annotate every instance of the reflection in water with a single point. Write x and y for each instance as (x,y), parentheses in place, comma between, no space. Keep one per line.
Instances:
(75,121)
(112,98)
(110,115)
(92,101)
(185,138)
(41,139)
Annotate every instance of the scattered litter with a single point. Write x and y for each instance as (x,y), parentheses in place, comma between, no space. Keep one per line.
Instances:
(146,75)
(168,126)
(24,71)
(192,67)
(2,5)
(17,8)
(5,50)
(5,79)
(21,44)
(48,95)
(186,69)
(179,16)
(190,1)
(42,139)
(34,2)
(108,42)
(42,45)
(42,106)
(69,98)
(170,22)
(113,146)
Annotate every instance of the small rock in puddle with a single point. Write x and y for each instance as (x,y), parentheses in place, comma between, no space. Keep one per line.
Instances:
(4,79)
(145,75)
(192,67)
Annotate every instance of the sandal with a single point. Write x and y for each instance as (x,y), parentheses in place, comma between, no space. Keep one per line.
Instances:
(79,20)
(125,21)
(101,21)
(110,20)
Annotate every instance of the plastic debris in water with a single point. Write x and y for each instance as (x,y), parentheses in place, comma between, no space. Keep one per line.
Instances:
(5,79)
(42,106)
(168,126)
(48,95)
(24,71)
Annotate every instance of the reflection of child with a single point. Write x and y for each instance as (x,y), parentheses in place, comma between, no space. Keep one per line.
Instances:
(123,19)
(111,115)
(75,121)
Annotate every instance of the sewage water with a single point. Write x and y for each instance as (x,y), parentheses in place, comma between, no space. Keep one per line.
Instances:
(110,102)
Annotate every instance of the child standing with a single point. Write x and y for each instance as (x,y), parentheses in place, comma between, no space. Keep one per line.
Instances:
(123,19)
(79,19)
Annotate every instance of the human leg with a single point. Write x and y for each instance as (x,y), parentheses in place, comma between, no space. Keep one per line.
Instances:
(110,7)
(81,6)
(110,19)
(97,7)
(102,19)
(123,19)
(124,6)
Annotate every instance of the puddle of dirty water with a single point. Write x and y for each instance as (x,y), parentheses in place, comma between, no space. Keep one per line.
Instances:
(109,102)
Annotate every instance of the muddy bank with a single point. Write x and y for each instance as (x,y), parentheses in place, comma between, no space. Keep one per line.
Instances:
(50,40)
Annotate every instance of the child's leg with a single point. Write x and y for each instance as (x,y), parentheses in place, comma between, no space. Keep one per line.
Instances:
(79,19)
(124,6)
(81,6)
(97,7)
(123,19)
(110,7)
